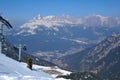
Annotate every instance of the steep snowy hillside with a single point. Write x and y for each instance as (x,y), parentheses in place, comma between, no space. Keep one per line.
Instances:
(13,70)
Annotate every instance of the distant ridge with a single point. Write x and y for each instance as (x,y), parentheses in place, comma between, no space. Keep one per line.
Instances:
(102,59)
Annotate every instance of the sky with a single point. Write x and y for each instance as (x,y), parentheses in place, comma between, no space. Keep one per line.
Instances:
(20,11)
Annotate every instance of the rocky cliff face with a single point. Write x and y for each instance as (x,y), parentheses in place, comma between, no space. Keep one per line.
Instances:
(103,59)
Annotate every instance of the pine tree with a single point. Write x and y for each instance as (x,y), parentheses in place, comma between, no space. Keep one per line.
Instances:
(29,62)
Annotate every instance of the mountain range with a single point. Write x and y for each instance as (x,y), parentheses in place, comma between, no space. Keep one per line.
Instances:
(74,43)
(51,37)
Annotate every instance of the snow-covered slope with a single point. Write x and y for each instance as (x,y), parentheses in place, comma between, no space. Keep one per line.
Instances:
(13,70)
(54,71)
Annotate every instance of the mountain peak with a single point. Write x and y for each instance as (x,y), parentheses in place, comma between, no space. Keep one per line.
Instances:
(38,17)
(92,20)
(52,21)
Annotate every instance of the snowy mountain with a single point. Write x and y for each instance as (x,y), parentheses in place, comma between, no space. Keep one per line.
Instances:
(13,70)
(50,37)
(60,21)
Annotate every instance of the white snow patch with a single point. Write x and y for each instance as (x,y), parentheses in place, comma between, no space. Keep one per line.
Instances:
(64,72)
(75,40)
(55,68)
(13,70)
(61,79)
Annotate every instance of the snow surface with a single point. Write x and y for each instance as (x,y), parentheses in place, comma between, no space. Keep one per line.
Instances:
(63,72)
(75,40)
(13,70)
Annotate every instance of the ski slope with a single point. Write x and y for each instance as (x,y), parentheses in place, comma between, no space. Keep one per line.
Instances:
(55,68)
(13,70)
